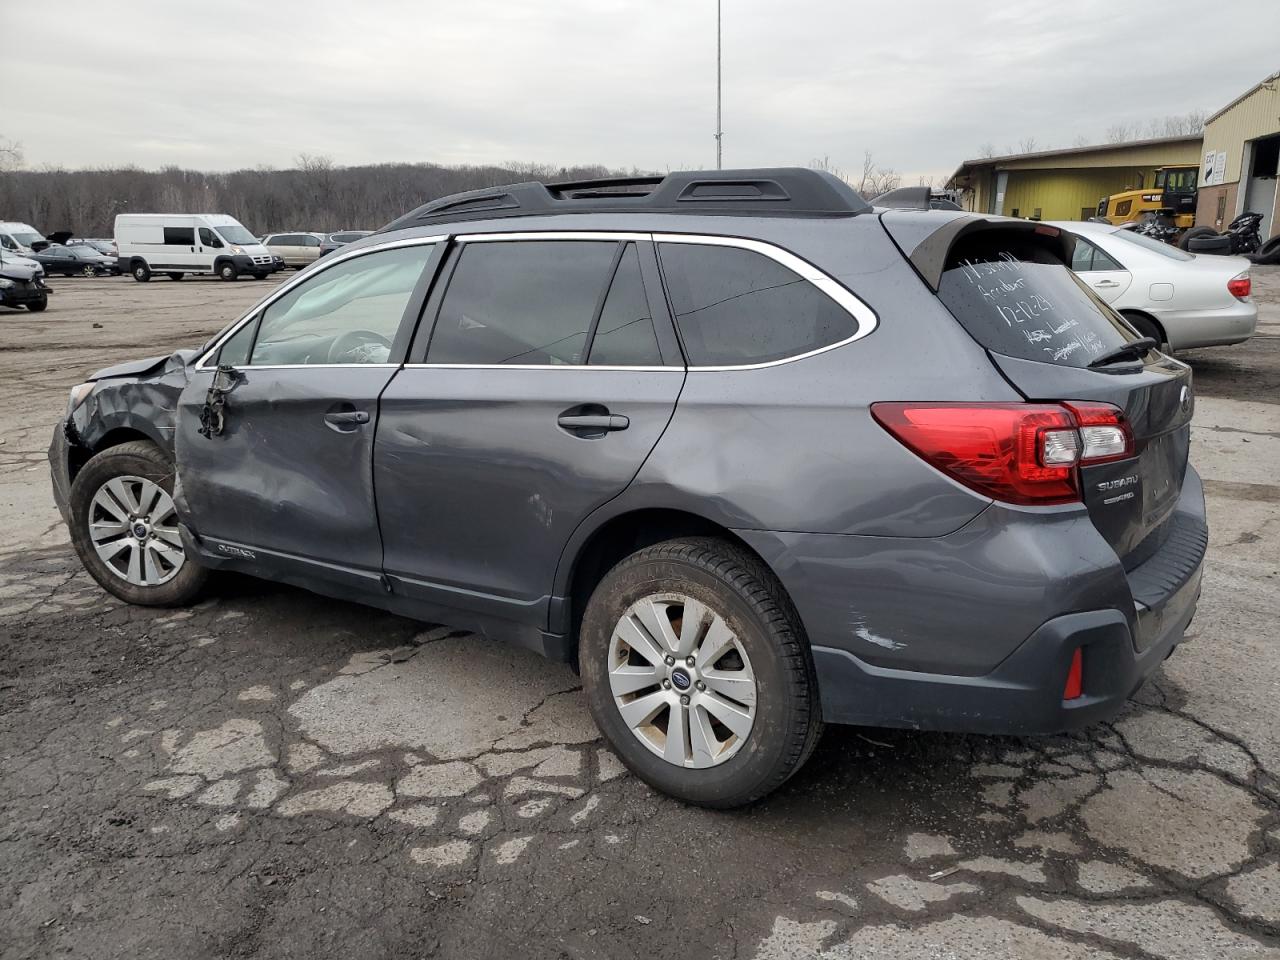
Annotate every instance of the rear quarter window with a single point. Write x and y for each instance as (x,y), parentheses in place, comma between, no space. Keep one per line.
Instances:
(1017,298)
(736,307)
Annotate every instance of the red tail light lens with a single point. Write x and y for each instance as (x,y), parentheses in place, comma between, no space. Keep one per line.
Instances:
(1023,453)
(1074,688)
(1240,287)
(996,449)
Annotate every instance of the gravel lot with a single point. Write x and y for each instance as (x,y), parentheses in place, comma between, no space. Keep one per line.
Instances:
(272,774)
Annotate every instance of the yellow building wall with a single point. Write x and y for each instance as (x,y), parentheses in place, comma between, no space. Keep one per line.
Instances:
(1064,194)
(1257,115)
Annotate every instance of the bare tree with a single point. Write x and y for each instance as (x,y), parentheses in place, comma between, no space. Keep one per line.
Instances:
(10,154)
(1177,125)
(1027,145)
(1123,131)
(987,150)
(1080,140)
(876,180)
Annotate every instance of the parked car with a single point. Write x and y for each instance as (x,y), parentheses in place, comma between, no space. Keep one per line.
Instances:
(22,283)
(19,238)
(1176,298)
(751,454)
(298,250)
(78,260)
(107,247)
(176,244)
(336,241)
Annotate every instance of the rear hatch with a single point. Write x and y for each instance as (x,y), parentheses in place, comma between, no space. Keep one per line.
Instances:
(1056,342)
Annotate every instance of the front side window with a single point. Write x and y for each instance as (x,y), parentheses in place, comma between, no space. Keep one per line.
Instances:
(208,239)
(347,314)
(736,307)
(521,302)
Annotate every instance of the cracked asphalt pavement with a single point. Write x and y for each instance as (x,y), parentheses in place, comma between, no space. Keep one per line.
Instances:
(274,774)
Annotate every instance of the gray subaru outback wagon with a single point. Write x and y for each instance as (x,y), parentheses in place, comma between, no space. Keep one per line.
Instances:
(751,453)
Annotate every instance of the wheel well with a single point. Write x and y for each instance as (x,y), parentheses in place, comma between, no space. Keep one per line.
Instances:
(1149,319)
(623,536)
(79,456)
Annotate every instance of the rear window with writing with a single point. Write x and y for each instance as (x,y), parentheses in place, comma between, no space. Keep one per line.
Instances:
(1018,299)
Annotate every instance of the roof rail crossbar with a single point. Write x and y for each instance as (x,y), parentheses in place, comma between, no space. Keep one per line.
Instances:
(788,192)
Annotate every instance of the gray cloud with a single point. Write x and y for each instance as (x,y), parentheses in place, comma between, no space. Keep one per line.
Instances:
(620,82)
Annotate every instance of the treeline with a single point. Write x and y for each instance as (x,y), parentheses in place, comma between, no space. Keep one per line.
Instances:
(316,195)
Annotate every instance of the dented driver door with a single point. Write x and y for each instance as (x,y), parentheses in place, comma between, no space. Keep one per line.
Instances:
(275,435)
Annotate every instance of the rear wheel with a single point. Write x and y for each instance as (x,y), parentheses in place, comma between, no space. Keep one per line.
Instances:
(125,529)
(228,271)
(697,671)
(174,275)
(141,272)
(1145,326)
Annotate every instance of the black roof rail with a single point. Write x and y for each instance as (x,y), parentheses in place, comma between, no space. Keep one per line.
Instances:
(783,191)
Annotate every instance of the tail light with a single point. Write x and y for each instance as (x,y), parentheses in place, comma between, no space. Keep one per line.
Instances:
(1023,453)
(1240,286)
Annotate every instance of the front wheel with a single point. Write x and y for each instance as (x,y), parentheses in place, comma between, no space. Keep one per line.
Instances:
(228,271)
(125,529)
(88,271)
(35,306)
(141,272)
(697,671)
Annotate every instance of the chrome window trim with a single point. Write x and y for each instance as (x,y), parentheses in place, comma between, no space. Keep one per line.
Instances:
(332,260)
(863,315)
(603,368)
(615,235)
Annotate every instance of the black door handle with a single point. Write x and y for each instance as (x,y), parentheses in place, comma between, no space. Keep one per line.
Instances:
(594,422)
(346,418)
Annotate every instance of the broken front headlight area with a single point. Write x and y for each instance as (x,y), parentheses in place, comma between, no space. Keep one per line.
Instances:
(79,393)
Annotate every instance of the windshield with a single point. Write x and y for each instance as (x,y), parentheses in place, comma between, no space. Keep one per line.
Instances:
(1018,299)
(26,239)
(1150,243)
(237,234)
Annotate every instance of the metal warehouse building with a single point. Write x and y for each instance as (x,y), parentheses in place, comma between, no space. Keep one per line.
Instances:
(1067,184)
(1241,159)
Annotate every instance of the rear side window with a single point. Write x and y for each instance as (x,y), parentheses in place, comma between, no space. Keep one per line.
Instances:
(522,302)
(1087,257)
(1016,297)
(624,335)
(180,236)
(737,306)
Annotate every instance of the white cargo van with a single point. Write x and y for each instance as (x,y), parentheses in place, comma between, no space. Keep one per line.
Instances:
(19,237)
(176,244)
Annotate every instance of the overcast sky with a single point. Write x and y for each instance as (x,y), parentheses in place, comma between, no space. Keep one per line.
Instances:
(624,83)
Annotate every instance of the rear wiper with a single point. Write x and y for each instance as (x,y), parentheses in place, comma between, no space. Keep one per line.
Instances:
(1133,350)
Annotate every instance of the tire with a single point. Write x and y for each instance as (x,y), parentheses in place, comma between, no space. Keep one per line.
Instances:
(1145,326)
(1268,253)
(142,461)
(227,271)
(141,272)
(38,305)
(1217,246)
(737,588)
(88,272)
(175,275)
(1192,232)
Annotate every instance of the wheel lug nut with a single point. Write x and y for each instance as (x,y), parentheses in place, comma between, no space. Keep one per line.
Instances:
(689,661)
(684,700)
(666,684)
(670,660)
(700,685)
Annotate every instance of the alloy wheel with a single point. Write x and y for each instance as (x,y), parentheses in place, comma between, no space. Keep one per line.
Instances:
(682,681)
(134,530)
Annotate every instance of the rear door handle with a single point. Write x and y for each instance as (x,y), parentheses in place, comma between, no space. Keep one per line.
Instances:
(594,422)
(1105,283)
(347,418)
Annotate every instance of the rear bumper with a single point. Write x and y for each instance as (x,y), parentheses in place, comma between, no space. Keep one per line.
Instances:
(1186,329)
(899,640)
